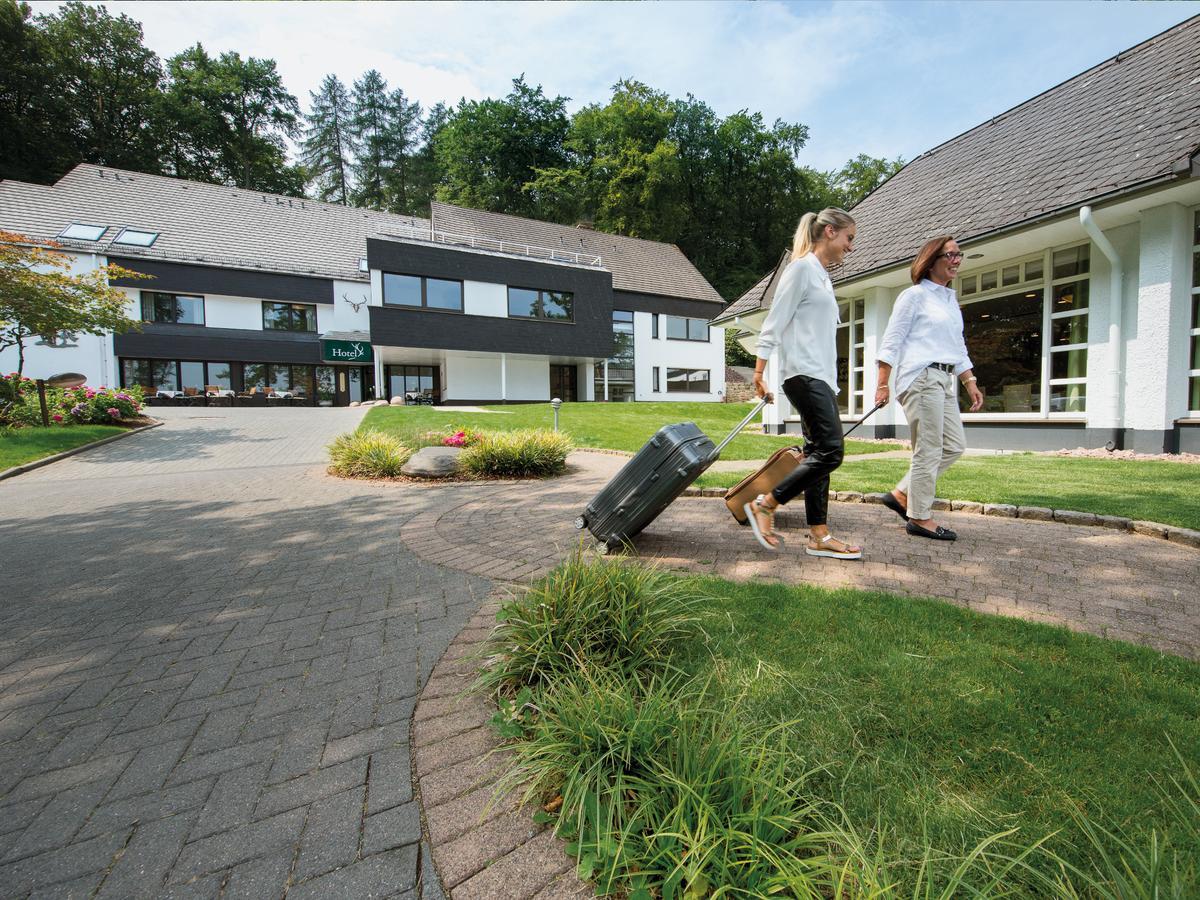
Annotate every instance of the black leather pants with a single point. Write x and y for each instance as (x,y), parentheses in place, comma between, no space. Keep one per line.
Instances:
(824,446)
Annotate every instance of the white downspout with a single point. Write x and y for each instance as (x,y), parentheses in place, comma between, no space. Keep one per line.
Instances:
(503,377)
(1116,278)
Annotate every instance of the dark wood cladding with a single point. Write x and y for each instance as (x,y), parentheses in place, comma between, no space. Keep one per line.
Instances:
(590,334)
(217,344)
(181,278)
(667,306)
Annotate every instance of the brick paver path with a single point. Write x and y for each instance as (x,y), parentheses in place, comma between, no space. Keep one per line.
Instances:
(1109,583)
(209,656)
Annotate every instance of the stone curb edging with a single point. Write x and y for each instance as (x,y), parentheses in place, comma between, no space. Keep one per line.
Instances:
(1174,533)
(46,460)
(483,847)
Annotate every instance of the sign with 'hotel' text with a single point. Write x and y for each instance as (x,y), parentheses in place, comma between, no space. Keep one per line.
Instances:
(346,352)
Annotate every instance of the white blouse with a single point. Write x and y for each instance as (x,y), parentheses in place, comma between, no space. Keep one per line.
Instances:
(926,327)
(802,323)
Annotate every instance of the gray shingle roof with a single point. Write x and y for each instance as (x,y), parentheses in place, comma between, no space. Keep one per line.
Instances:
(759,296)
(1119,125)
(202,223)
(647,267)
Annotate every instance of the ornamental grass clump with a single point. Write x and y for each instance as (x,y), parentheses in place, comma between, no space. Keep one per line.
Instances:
(602,613)
(367,454)
(517,454)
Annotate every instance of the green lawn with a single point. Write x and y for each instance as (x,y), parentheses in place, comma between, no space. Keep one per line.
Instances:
(1167,492)
(945,726)
(613,426)
(22,445)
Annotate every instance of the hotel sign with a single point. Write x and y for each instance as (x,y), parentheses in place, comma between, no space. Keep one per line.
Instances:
(346,352)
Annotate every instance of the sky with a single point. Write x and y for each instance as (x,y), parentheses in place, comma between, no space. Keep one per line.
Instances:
(884,78)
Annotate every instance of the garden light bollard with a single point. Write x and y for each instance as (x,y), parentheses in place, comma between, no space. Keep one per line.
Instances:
(556,403)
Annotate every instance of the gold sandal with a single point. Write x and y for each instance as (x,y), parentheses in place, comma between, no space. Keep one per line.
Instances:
(764,529)
(824,548)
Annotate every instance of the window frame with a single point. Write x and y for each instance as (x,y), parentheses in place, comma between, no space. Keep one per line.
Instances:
(1194,331)
(541,292)
(671,369)
(856,379)
(72,237)
(127,229)
(291,316)
(424,279)
(147,296)
(1044,282)
(707,339)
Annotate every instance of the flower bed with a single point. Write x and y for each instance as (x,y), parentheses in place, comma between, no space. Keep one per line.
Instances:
(20,406)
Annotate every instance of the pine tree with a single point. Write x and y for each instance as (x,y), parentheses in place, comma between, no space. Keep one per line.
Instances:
(326,146)
(370,119)
(399,148)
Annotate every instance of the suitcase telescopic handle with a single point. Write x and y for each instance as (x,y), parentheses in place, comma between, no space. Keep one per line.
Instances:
(736,431)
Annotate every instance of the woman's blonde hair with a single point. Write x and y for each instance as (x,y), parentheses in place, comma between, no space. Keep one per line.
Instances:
(812,226)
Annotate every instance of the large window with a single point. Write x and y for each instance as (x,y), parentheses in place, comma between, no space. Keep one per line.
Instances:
(279,377)
(1194,349)
(614,377)
(680,329)
(178,309)
(1028,334)
(150,374)
(403,380)
(850,350)
(687,381)
(528,303)
(422,293)
(289,317)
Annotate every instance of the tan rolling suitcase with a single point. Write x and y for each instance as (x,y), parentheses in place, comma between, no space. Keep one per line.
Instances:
(781,464)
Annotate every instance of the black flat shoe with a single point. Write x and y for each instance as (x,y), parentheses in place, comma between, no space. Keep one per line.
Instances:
(938,534)
(890,501)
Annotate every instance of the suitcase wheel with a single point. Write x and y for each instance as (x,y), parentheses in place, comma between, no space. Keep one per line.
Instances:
(580,522)
(602,548)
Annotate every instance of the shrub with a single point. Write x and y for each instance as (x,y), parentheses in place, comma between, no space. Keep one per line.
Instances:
(602,613)
(19,404)
(517,454)
(367,454)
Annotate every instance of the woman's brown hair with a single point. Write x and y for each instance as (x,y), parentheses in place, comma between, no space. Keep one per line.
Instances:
(927,256)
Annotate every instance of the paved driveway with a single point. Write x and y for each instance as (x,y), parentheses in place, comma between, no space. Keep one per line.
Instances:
(209,654)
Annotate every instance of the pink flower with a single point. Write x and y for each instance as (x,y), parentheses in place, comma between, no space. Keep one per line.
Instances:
(56,417)
(114,412)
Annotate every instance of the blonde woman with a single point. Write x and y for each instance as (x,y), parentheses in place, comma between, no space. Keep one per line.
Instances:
(924,344)
(801,333)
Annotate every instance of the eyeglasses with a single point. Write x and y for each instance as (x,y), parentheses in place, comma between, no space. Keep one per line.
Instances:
(953,255)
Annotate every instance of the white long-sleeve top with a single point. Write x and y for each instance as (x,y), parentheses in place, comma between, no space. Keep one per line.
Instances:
(802,323)
(926,327)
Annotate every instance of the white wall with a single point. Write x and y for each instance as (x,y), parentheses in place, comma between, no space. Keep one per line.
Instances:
(233,312)
(481,298)
(649,352)
(342,316)
(527,378)
(471,377)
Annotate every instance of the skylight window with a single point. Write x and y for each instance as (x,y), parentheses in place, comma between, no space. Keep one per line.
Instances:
(136,237)
(362,264)
(79,231)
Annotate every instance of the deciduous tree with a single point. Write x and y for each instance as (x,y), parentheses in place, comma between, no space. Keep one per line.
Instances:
(39,295)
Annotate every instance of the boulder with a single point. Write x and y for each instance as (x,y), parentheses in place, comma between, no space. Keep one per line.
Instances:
(433,462)
(355,403)
(397,401)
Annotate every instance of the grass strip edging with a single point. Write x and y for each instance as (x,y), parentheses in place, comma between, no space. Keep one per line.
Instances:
(46,460)
(1176,534)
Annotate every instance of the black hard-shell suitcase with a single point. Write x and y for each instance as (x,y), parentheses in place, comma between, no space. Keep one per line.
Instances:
(658,473)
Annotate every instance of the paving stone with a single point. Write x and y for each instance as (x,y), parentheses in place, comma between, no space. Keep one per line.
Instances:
(365,742)
(59,820)
(1003,510)
(312,788)
(65,864)
(396,827)
(1036,513)
(473,851)
(266,877)
(150,853)
(229,848)
(149,769)
(232,800)
(389,779)
(382,875)
(78,889)
(332,835)
(1071,517)
(532,865)
(1119,523)
(104,769)
(147,808)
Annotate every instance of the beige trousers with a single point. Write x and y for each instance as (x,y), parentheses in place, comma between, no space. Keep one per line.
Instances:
(937,437)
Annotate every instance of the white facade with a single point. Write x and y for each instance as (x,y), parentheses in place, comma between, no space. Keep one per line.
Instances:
(663,353)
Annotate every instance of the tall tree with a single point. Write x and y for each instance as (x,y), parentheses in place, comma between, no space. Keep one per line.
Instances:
(859,177)
(427,174)
(490,149)
(326,147)
(402,131)
(108,84)
(32,143)
(231,118)
(371,112)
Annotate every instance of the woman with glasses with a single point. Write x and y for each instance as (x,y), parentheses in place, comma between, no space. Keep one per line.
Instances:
(924,344)
(801,330)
